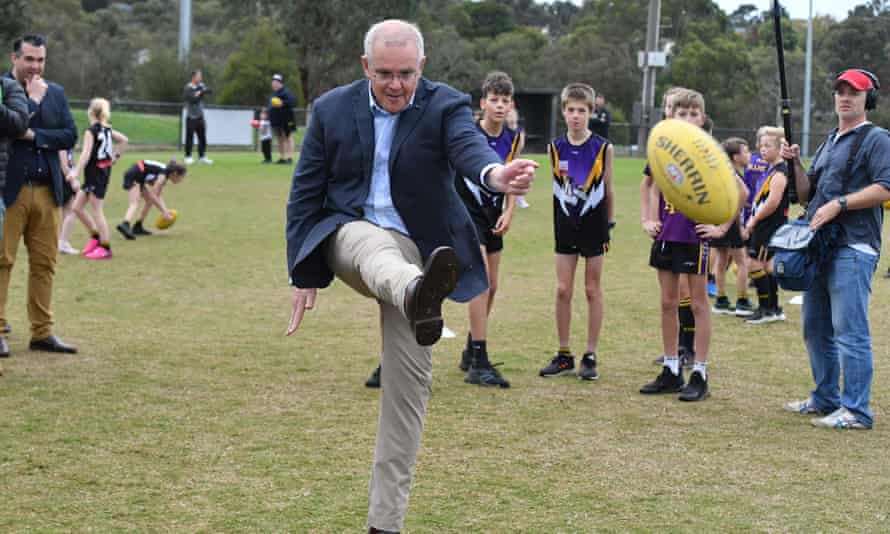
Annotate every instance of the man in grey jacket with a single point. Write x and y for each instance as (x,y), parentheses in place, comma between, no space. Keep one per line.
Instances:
(193,94)
(13,124)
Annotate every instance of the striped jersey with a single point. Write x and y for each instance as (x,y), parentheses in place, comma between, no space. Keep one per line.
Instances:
(579,174)
(506,145)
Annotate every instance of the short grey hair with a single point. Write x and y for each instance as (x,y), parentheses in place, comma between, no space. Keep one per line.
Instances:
(409,30)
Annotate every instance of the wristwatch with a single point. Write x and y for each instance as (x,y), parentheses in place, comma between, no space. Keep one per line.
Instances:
(843,202)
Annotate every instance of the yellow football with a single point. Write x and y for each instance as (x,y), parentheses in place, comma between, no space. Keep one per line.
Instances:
(275,101)
(162,223)
(887,205)
(693,172)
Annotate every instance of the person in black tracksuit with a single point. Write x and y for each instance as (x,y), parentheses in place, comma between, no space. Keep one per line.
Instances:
(195,124)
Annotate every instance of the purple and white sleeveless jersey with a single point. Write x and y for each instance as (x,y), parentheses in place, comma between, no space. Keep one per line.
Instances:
(753,174)
(578,173)
(505,145)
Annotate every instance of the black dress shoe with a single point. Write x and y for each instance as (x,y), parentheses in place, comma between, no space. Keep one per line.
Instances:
(4,348)
(373,381)
(52,344)
(424,296)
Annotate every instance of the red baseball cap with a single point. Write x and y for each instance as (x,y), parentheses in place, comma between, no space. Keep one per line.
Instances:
(856,79)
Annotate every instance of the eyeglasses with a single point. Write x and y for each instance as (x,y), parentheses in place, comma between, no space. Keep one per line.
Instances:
(386,77)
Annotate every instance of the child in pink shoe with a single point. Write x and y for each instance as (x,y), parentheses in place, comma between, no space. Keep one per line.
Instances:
(96,159)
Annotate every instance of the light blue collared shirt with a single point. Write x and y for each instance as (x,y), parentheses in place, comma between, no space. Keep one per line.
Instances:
(379,208)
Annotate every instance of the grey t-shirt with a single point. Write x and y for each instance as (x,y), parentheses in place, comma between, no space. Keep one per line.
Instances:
(194,109)
(871,166)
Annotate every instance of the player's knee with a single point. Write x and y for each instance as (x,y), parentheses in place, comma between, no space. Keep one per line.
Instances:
(563,292)
(669,305)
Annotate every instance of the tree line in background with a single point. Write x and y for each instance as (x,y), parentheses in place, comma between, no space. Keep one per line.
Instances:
(127,49)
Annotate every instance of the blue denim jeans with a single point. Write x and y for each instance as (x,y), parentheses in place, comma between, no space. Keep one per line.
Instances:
(835,330)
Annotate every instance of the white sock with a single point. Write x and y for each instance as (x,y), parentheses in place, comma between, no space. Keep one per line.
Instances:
(702,368)
(672,363)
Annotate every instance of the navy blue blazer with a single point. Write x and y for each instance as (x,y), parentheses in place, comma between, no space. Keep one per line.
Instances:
(435,137)
(58,132)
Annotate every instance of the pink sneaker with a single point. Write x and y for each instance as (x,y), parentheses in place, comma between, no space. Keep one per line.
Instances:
(99,253)
(91,246)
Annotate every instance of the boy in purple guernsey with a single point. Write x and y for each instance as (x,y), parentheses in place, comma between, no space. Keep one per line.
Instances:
(753,172)
(769,211)
(726,239)
(678,250)
(583,215)
(492,214)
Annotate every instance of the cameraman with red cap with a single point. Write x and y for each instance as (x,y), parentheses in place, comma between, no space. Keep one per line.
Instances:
(847,182)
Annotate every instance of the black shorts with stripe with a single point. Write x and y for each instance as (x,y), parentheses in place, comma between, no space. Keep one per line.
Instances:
(680,258)
(586,236)
(758,244)
(96,181)
(485,219)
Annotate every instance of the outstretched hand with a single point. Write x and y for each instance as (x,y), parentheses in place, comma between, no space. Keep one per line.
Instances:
(303,299)
(514,178)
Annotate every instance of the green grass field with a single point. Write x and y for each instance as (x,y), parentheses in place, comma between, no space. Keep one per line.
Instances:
(148,130)
(187,410)
(140,128)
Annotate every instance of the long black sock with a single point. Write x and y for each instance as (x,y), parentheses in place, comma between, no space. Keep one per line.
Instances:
(773,292)
(761,283)
(687,324)
(480,354)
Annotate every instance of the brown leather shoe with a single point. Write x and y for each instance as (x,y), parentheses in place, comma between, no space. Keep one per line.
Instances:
(424,296)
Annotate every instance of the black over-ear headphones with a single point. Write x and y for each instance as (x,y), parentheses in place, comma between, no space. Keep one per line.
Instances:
(871,96)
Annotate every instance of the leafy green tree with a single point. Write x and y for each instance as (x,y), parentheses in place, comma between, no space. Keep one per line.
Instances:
(482,19)
(451,59)
(328,37)
(94,5)
(510,52)
(249,70)
(584,56)
(14,20)
(766,33)
(720,70)
(161,78)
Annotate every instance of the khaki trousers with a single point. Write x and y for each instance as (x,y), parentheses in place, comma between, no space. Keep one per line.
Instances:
(379,264)
(34,215)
